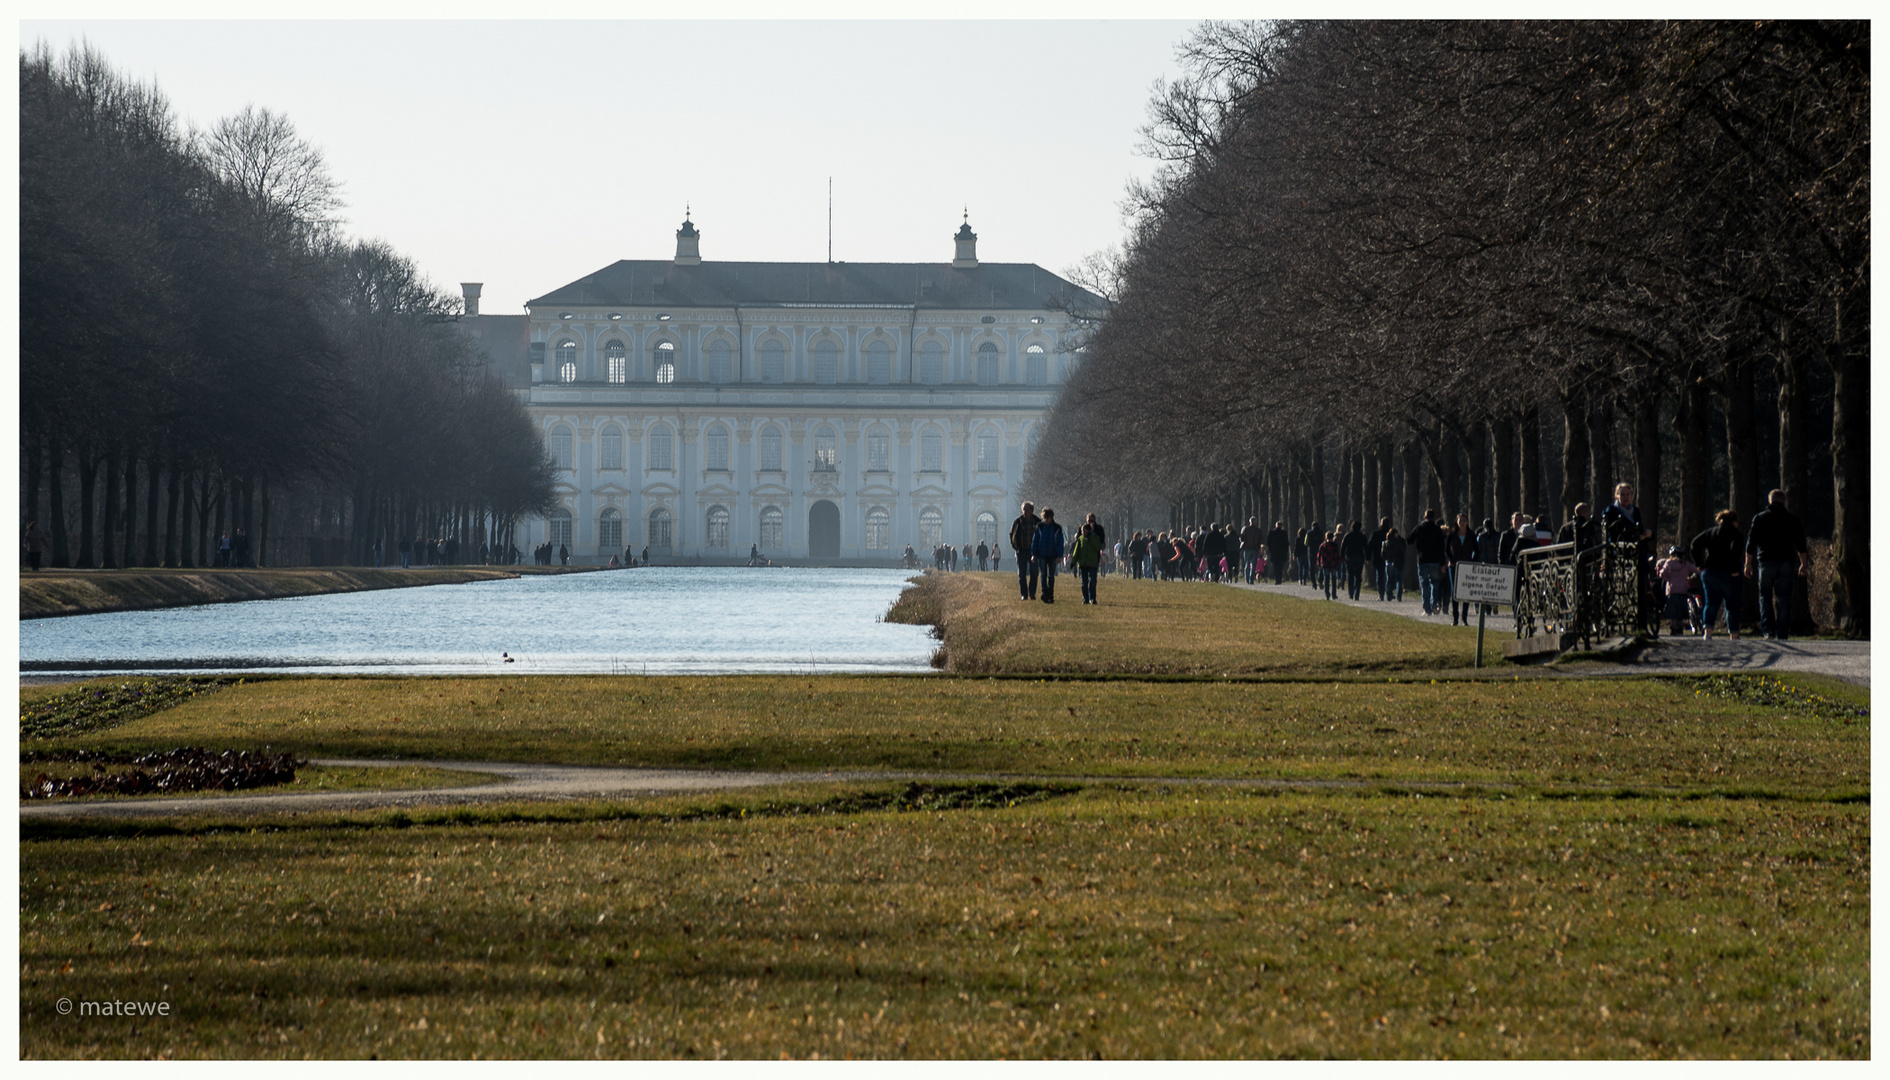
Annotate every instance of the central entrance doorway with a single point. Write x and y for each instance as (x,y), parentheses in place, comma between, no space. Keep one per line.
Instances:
(823,530)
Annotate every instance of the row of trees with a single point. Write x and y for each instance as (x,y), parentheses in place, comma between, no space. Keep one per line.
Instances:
(1384,257)
(199,345)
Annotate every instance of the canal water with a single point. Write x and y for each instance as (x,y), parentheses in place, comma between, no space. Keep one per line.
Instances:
(649,620)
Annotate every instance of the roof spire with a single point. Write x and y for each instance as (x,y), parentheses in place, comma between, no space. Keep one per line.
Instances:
(688,252)
(966,255)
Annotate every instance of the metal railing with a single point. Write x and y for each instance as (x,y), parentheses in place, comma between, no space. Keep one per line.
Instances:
(1588,595)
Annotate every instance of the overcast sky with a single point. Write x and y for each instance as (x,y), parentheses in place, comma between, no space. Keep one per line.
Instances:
(528,154)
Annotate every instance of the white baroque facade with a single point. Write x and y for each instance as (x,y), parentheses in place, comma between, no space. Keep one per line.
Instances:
(826,413)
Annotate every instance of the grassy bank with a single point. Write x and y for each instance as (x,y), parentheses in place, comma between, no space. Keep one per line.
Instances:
(84,592)
(1106,923)
(1147,627)
(1723,733)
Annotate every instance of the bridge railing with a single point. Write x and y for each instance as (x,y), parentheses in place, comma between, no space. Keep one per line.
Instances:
(1584,595)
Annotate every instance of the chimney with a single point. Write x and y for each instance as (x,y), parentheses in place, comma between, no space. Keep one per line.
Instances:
(687,238)
(967,254)
(470,289)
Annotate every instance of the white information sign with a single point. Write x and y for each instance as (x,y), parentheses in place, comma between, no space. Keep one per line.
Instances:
(1485,583)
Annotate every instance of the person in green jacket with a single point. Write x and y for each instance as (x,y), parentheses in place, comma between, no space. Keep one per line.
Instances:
(1086,553)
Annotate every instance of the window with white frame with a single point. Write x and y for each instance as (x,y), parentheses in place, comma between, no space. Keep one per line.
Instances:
(558,528)
(931,529)
(567,359)
(609,530)
(769,442)
(988,458)
(617,361)
(879,363)
(987,529)
(773,523)
(826,455)
(878,529)
(661,530)
(773,362)
(931,363)
(715,534)
(665,362)
(826,362)
(988,364)
(878,450)
(1036,366)
(931,452)
(559,446)
(715,448)
(610,449)
(720,362)
(661,456)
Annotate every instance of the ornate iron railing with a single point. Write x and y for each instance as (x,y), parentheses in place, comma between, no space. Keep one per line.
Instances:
(1587,595)
(1546,600)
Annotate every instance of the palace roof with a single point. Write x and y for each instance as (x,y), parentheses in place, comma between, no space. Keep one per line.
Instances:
(940,286)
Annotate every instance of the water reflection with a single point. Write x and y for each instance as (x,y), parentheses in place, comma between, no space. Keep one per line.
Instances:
(651,620)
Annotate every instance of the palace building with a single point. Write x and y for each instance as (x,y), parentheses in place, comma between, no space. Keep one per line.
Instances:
(823,413)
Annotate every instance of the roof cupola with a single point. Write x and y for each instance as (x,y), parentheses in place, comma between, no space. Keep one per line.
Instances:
(687,253)
(967,254)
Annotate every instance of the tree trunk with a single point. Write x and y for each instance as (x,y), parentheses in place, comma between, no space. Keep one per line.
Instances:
(108,523)
(171,485)
(56,495)
(1647,457)
(1529,463)
(207,504)
(1574,453)
(1478,445)
(131,507)
(1503,454)
(1850,482)
(1794,460)
(35,462)
(1387,507)
(262,523)
(1449,472)
(151,500)
(1689,421)
(1601,475)
(1342,505)
(1318,479)
(88,501)
(1742,444)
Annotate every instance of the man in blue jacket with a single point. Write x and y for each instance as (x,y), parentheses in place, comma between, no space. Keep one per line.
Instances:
(1046,550)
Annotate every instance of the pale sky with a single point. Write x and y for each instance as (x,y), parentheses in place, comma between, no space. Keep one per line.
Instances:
(525,155)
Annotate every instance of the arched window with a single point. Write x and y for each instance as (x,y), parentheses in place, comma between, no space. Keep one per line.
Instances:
(772,523)
(878,529)
(826,362)
(931,363)
(659,534)
(720,365)
(773,362)
(989,459)
(716,533)
(879,363)
(931,451)
(987,527)
(567,360)
(770,445)
(665,362)
(878,449)
(660,447)
(931,529)
(558,528)
(609,531)
(988,364)
(558,444)
(1036,366)
(617,358)
(715,448)
(826,456)
(610,448)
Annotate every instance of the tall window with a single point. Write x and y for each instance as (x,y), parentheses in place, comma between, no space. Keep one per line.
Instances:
(660,456)
(771,528)
(878,457)
(665,363)
(558,526)
(567,360)
(715,448)
(931,452)
(660,530)
(988,459)
(1036,366)
(559,446)
(618,360)
(716,535)
(931,529)
(720,366)
(610,449)
(987,528)
(988,364)
(773,362)
(770,441)
(826,457)
(826,362)
(878,529)
(609,531)
(879,363)
(931,363)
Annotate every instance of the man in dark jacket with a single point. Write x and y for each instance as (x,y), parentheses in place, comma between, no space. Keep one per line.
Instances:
(1375,554)
(1429,541)
(1775,556)
(1581,530)
(1046,550)
(1352,547)
(1213,546)
(1023,530)
(1278,543)
(1718,553)
(1391,571)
